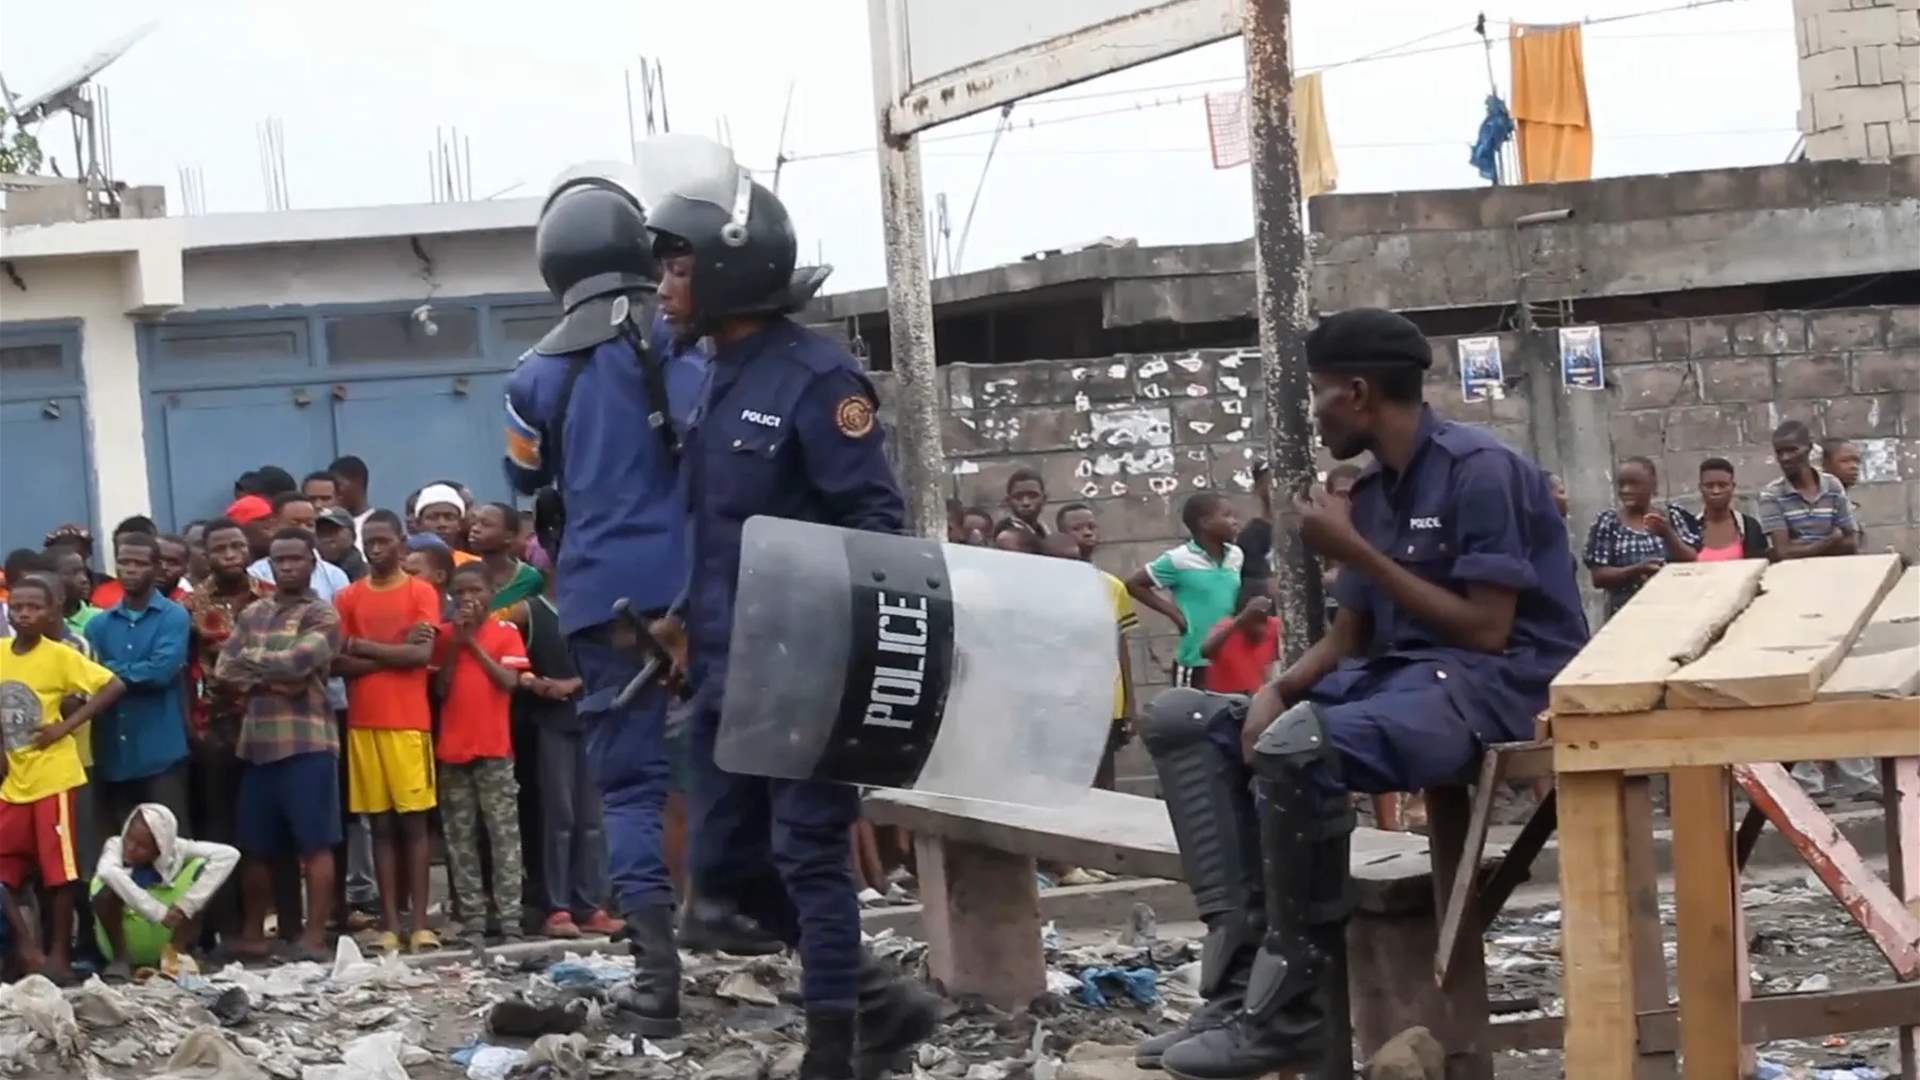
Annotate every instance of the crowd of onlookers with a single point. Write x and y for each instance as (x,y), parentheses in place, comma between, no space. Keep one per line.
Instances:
(275,702)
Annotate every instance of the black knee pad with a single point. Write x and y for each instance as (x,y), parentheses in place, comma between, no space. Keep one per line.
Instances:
(1296,745)
(1181,716)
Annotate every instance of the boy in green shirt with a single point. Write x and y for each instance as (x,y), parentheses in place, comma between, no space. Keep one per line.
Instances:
(1196,584)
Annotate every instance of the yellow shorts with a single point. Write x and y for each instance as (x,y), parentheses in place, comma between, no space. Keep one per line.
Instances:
(389,770)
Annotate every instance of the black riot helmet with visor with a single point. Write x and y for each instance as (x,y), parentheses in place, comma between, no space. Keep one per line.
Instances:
(701,202)
(594,252)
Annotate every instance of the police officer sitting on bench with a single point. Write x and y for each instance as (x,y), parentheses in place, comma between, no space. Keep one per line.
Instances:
(786,429)
(1457,606)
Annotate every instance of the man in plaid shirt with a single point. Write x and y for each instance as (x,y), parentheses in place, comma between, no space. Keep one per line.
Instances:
(288,804)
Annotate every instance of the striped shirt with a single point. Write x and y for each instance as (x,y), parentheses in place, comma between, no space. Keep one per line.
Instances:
(1206,591)
(1783,507)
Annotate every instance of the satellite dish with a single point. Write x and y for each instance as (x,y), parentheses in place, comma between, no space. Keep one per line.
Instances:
(39,106)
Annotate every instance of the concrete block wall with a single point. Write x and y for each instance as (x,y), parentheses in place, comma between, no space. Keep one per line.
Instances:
(1859,77)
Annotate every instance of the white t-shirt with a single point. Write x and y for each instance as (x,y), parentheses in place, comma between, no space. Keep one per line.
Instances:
(327,581)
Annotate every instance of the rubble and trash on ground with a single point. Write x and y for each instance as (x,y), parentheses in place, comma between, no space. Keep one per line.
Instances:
(527,1014)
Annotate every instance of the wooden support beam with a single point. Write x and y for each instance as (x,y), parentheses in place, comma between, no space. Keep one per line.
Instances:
(981,910)
(1789,639)
(1456,906)
(1835,861)
(1594,935)
(1456,864)
(1643,923)
(1516,866)
(1669,622)
(1900,795)
(1706,902)
(1765,1019)
(1666,738)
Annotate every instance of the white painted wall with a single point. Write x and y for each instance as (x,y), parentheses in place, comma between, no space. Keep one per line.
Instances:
(92,290)
(362,271)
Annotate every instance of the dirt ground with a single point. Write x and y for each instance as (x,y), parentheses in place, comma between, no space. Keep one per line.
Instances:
(359,1019)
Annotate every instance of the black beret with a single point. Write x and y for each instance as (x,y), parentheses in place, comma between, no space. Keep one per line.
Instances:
(1367,339)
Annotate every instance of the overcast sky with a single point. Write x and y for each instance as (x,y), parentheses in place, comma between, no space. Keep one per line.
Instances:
(360,85)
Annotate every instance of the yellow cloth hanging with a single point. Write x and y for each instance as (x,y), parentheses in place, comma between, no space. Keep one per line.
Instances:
(1550,104)
(1318,172)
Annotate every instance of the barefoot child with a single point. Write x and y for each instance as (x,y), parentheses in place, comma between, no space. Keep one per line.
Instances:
(43,770)
(151,887)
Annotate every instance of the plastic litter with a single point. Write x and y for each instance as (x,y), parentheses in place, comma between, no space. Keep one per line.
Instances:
(1059,982)
(1138,984)
(494,1062)
(37,1001)
(574,972)
(98,1005)
(205,1054)
(741,986)
(565,1055)
(1773,1070)
(369,1057)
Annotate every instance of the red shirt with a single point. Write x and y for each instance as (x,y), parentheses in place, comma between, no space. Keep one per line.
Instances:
(1240,665)
(474,717)
(391,697)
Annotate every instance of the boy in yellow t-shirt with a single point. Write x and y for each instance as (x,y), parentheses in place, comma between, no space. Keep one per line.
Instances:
(43,768)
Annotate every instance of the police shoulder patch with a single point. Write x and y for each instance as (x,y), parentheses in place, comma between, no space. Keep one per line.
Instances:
(854,416)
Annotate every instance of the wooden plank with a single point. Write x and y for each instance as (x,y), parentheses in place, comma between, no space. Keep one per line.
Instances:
(1821,731)
(1454,899)
(1643,923)
(1900,795)
(981,911)
(1594,935)
(1777,1016)
(1704,898)
(1785,644)
(1885,658)
(1838,865)
(1130,834)
(1669,622)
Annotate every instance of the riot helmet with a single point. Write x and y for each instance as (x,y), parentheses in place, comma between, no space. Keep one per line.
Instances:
(592,238)
(703,203)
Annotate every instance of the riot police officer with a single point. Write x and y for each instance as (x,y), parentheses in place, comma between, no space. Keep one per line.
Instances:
(1457,606)
(786,428)
(593,422)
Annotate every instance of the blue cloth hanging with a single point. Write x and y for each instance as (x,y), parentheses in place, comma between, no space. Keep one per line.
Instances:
(1495,130)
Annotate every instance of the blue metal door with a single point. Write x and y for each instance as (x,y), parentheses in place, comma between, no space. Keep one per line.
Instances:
(46,475)
(212,436)
(416,431)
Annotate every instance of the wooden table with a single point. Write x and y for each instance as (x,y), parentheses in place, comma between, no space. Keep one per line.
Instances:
(1710,671)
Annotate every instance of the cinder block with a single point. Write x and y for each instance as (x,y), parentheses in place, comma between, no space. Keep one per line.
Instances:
(1627,343)
(1849,106)
(1866,62)
(1769,334)
(1835,68)
(1844,329)
(1654,386)
(1167,376)
(1703,428)
(1749,379)
(1880,504)
(1761,418)
(1910,415)
(1107,379)
(1837,144)
(1890,69)
(1903,326)
(1140,516)
(1875,370)
(1708,337)
(1861,416)
(1879,142)
(1864,26)
(1909,22)
(1670,339)
(1812,376)
(1638,431)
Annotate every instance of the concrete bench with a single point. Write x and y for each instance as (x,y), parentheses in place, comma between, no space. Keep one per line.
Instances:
(982,919)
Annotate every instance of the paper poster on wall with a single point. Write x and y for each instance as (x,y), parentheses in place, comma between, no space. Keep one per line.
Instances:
(1481,374)
(1581,367)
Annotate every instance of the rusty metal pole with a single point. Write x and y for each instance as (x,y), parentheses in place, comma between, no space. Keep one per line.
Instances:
(1281,279)
(909,295)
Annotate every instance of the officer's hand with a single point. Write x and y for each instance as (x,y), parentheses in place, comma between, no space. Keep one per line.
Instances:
(1326,523)
(670,634)
(1261,712)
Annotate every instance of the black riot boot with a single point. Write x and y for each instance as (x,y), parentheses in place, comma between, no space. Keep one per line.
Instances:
(1305,830)
(895,1015)
(829,1045)
(1208,799)
(716,926)
(653,995)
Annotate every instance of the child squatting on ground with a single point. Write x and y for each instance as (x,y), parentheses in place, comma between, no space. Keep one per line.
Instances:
(150,887)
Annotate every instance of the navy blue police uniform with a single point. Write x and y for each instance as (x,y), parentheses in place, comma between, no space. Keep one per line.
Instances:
(626,535)
(787,429)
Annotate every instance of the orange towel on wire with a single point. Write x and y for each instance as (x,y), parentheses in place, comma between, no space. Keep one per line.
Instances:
(1318,172)
(1550,104)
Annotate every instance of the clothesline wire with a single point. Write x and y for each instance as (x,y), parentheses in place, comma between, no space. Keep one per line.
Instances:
(1388,53)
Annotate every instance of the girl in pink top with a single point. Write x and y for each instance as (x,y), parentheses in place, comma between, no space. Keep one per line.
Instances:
(1722,533)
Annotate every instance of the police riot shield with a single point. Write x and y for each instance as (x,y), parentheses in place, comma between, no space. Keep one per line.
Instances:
(899,662)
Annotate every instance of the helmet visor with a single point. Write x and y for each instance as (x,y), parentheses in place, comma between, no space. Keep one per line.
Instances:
(615,175)
(697,169)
